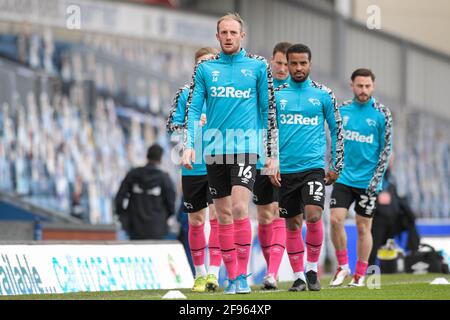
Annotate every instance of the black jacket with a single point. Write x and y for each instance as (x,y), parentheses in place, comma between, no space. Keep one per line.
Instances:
(398,214)
(151,201)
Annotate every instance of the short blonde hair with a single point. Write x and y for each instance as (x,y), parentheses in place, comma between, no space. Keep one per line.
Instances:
(231,16)
(203,51)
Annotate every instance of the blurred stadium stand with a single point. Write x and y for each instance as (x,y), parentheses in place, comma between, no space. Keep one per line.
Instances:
(78,108)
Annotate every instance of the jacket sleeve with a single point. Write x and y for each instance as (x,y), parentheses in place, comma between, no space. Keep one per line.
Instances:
(334,121)
(175,120)
(169,194)
(266,101)
(194,106)
(124,193)
(385,138)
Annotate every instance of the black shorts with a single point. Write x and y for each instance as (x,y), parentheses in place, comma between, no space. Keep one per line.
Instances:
(264,192)
(343,196)
(301,189)
(196,194)
(230,170)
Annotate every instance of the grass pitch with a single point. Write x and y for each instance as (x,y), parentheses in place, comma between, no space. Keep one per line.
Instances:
(392,287)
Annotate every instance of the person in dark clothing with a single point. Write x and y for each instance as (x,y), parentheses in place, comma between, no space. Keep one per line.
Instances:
(151,199)
(392,216)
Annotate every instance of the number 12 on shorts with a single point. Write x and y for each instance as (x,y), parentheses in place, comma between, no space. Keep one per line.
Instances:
(315,192)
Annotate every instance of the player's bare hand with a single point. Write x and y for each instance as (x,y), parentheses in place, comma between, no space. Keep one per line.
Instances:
(188,158)
(276,179)
(331,178)
(202,120)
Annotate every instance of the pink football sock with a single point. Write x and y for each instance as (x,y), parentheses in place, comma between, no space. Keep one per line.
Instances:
(314,239)
(278,245)
(215,257)
(295,249)
(226,240)
(361,268)
(265,239)
(342,257)
(243,241)
(197,243)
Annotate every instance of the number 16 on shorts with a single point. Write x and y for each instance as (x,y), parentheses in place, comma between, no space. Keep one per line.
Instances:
(246,173)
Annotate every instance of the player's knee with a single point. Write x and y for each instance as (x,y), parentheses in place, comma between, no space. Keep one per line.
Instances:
(363,229)
(265,214)
(313,216)
(197,218)
(313,213)
(225,216)
(295,223)
(224,211)
(264,220)
(239,209)
(362,232)
(336,221)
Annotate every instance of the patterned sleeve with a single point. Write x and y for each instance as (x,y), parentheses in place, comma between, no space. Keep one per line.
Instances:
(284,85)
(386,148)
(268,108)
(175,120)
(339,133)
(272,130)
(334,121)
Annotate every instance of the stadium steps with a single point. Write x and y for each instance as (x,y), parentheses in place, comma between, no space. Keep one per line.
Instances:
(13,207)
